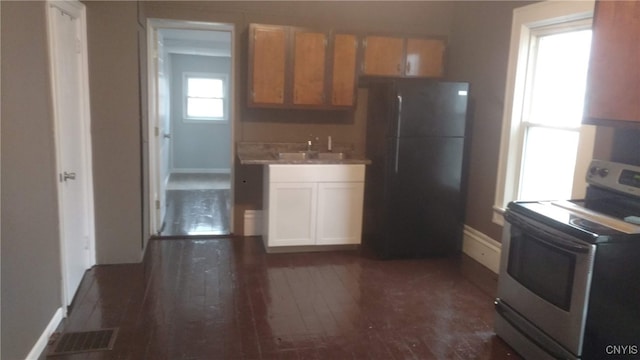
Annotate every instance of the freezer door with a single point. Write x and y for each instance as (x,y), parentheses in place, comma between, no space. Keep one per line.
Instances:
(433,109)
(427,210)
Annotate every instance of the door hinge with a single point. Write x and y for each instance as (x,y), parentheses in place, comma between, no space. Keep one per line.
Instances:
(78,46)
(156,131)
(157,204)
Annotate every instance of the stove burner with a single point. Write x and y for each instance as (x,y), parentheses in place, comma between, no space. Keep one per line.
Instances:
(591,226)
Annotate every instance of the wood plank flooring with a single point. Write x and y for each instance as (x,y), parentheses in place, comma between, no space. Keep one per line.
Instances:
(227,299)
(197,204)
(197,212)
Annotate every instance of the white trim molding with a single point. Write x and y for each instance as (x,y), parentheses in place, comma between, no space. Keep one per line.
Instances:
(481,248)
(525,20)
(43,340)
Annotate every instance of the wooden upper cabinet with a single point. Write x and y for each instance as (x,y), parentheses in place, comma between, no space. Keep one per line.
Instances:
(267,57)
(613,81)
(293,67)
(425,58)
(403,57)
(383,56)
(343,77)
(309,64)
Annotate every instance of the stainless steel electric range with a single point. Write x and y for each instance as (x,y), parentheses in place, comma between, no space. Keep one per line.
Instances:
(569,282)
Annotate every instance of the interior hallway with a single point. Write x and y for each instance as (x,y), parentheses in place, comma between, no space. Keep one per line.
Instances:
(197,204)
(227,299)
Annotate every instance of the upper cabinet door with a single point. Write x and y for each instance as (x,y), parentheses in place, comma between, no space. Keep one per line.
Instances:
(268,63)
(309,74)
(403,57)
(343,79)
(613,82)
(425,58)
(383,56)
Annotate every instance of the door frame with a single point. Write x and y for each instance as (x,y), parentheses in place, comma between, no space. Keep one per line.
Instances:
(77,10)
(155,183)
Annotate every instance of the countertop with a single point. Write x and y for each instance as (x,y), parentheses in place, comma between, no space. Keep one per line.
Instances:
(253,153)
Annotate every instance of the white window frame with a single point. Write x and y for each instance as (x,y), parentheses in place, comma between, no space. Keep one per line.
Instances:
(225,97)
(525,21)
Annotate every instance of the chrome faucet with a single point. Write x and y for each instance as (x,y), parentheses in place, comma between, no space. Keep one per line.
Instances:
(311,141)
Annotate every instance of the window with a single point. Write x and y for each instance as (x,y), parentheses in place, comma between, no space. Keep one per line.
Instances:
(205,96)
(552,113)
(545,149)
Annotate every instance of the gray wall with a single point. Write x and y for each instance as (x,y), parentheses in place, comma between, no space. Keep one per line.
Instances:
(479,53)
(203,145)
(31,271)
(116,129)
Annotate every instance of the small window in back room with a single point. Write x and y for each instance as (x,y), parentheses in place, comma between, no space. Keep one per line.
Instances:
(205,97)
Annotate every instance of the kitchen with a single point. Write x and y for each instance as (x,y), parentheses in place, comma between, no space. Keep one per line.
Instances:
(478,37)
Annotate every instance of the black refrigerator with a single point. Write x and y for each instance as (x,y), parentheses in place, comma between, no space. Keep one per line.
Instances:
(417,139)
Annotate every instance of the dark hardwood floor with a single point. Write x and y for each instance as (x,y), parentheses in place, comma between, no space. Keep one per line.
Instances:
(197,204)
(227,299)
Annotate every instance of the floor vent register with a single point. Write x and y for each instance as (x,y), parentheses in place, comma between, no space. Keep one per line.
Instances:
(83,341)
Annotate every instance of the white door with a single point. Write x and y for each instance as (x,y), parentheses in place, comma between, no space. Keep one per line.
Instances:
(67,46)
(163,128)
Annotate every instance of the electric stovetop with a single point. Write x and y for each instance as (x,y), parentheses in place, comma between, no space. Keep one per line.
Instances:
(609,212)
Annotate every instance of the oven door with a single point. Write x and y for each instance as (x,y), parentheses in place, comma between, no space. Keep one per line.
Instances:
(545,276)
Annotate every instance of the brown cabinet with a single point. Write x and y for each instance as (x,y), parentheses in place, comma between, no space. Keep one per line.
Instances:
(309,67)
(403,57)
(383,56)
(613,82)
(267,64)
(306,68)
(343,74)
(425,58)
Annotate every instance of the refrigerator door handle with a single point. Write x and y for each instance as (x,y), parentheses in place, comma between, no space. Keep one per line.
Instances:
(398,124)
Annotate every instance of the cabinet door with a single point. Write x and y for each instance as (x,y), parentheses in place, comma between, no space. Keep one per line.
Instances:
(383,56)
(425,58)
(292,213)
(613,85)
(267,64)
(340,213)
(309,54)
(343,79)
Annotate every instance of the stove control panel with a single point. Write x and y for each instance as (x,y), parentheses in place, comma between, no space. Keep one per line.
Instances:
(615,176)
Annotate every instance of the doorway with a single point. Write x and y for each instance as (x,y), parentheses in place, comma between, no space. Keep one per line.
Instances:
(191,124)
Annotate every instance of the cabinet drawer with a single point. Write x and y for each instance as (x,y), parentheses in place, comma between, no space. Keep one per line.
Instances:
(315,173)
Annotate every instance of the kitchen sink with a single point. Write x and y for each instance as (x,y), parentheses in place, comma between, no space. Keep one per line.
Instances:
(332,156)
(298,155)
(307,155)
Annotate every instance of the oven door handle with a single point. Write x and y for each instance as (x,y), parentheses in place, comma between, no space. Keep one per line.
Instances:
(553,238)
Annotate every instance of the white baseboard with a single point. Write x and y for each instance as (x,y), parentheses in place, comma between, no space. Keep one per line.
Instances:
(252,223)
(41,344)
(201,171)
(481,248)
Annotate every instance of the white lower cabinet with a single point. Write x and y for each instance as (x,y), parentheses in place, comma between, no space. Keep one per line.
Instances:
(313,204)
(339,213)
(293,213)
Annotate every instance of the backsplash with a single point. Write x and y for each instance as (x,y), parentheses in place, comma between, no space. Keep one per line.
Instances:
(626,146)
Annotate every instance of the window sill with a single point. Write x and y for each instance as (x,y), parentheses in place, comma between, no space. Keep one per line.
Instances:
(206,121)
(498,215)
